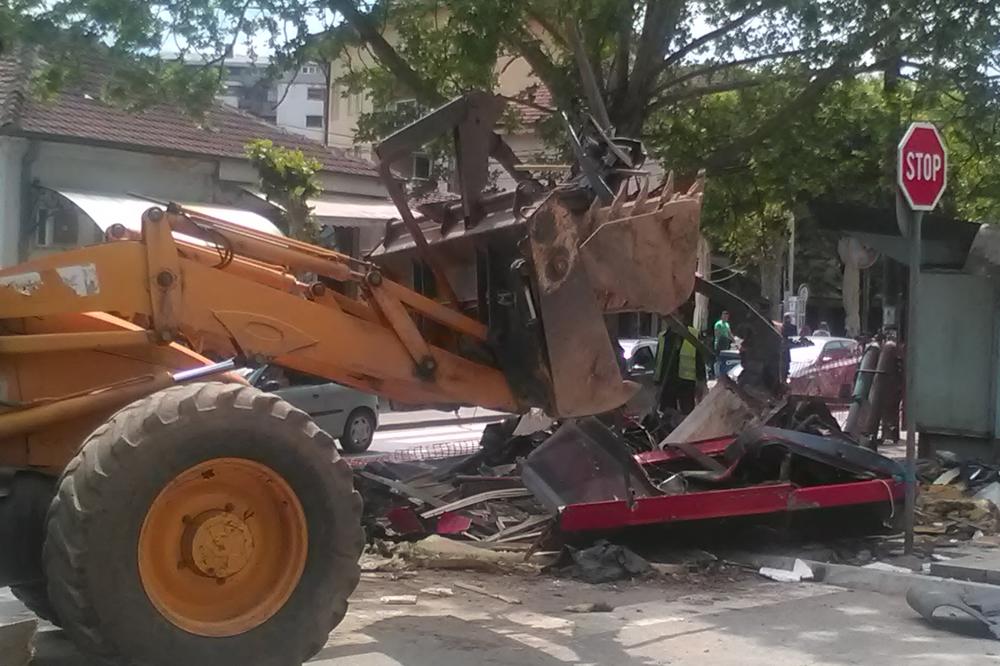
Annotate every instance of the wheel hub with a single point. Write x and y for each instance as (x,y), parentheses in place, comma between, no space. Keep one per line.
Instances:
(217,544)
(222,547)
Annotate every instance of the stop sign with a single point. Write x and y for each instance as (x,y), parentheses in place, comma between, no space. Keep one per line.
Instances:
(923,166)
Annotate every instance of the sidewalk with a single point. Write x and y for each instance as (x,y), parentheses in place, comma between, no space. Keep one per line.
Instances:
(398,420)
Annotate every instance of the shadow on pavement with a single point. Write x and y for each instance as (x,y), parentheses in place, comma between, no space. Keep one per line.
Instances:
(446,640)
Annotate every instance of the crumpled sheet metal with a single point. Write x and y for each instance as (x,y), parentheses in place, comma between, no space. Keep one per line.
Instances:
(981,606)
(587,477)
(584,461)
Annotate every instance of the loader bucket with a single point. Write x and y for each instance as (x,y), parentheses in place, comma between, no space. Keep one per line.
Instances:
(637,255)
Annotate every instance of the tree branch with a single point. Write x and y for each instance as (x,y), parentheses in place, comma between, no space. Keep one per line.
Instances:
(709,89)
(618,76)
(522,41)
(718,67)
(723,29)
(387,55)
(660,21)
(842,65)
(546,24)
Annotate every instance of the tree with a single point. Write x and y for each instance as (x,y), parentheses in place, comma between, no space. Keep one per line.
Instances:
(288,178)
(649,56)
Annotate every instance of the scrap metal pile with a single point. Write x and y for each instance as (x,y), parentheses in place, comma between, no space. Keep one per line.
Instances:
(957,500)
(585,475)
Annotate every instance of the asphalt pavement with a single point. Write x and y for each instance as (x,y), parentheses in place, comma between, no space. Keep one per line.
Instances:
(726,621)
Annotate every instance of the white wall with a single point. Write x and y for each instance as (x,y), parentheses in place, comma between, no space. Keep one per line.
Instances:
(11,153)
(81,167)
(241,172)
(296,105)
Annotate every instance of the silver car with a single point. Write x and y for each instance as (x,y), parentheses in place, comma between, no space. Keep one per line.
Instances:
(347,414)
(640,366)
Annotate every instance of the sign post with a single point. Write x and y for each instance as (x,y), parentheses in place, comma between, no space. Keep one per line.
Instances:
(922,174)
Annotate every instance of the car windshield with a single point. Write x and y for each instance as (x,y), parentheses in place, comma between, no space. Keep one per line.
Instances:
(629,345)
(805,354)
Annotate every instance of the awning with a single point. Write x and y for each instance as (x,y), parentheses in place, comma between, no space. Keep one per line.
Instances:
(344,210)
(108,209)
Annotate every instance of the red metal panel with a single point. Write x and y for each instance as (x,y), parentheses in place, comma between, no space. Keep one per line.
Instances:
(756,500)
(710,446)
(846,494)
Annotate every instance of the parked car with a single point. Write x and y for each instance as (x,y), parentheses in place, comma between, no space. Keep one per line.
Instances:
(820,366)
(640,366)
(347,414)
(824,367)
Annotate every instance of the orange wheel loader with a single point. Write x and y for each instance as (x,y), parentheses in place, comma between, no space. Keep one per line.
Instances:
(163,512)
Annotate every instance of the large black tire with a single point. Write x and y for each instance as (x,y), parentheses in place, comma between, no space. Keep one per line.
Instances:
(96,517)
(35,597)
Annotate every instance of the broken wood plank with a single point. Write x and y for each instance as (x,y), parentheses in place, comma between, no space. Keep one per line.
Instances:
(486,593)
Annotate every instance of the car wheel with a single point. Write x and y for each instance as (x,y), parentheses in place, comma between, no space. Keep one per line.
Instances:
(358,431)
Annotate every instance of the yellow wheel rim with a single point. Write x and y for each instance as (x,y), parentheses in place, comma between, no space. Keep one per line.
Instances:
(222,547)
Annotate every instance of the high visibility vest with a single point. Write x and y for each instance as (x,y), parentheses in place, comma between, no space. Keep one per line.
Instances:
(687,367)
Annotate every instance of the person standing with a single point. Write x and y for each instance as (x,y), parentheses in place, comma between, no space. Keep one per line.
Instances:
(723,340)
(788,328)
(680,371)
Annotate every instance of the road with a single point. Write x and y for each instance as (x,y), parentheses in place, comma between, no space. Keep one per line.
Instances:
(403,431)
(729,621)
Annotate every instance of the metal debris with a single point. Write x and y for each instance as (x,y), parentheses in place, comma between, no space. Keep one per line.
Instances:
(468,587)
(800,572)
(399,600)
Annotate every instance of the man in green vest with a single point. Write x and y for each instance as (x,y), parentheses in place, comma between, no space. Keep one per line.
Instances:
(680,368)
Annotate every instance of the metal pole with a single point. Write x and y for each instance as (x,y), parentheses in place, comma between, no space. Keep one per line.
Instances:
(791,255)
(916,218)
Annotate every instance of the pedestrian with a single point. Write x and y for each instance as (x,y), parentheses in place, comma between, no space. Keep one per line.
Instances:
(723,340)
(823,330)
(806,331)
(788,328)
(679,372)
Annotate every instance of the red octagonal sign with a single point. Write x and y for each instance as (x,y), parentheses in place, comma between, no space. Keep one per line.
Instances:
(922,166)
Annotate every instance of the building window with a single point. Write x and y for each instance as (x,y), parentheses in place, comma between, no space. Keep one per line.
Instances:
(407,106)
(234,90)
(421,166)
(309,69)
(316,93)
(314,122)
(270,119)
(55,226)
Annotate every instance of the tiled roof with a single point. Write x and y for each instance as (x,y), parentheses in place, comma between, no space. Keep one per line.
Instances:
(539,95)
(78,114)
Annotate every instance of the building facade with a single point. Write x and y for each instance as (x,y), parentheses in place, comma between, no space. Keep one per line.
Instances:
(72,165)
(295,101)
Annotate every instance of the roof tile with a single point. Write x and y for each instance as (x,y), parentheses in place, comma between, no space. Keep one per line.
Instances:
(78,113)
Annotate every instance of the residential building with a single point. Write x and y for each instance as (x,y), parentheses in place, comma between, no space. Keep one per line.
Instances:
(514,79)
(296,100)
(73,165)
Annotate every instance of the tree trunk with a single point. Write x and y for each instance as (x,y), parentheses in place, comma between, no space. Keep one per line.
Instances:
(705,269)
(770,280)
(848,249)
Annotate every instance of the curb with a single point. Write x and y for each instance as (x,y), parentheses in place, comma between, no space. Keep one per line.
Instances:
(437,422)
(850,577)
